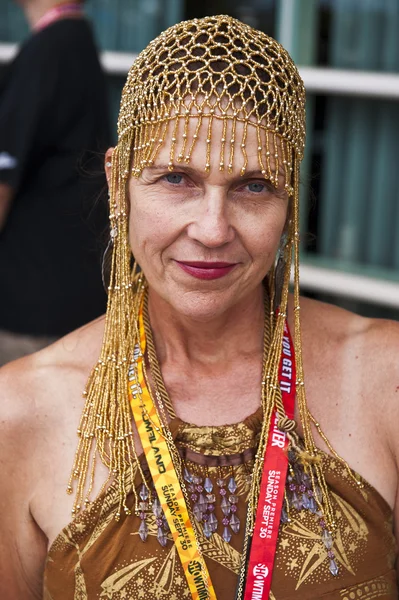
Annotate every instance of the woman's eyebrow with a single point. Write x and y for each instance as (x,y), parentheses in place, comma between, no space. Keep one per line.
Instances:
(253,173)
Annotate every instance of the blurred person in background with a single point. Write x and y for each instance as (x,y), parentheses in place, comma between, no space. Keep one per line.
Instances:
(53,116)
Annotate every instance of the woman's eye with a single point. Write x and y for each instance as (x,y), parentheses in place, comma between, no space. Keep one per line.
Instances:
(256,187)
(174,178)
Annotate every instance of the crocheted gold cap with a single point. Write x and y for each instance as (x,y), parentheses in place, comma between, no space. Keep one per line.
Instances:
(206,69)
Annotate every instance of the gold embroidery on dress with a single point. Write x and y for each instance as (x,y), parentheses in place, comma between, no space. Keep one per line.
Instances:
(222,552)
(368,590)
(117,581)
(80,584)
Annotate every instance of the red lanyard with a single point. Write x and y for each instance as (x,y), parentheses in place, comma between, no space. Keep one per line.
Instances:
(70,9)
(271,497)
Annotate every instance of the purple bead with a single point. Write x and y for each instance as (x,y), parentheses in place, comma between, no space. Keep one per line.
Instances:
(211,507)
(292,487)
(159,522)
(310,493)
(298,476)
(235,523)
(194,497)
(296,503)
(162,539)
(334,570)
(312,505)
(199,488)
(207,529)
(143,531)
(317,493)
(233,508)
(142,515)
(187,475)
(143,492)
(330,554)
(202,500)
(225,521)
(225,506)
(327,539)
(208,485)
(284,516)
(226,535)
(302,488)
(197,510)
(322,523)
(157,508)
(232,485)
(213,522)
(222,492)
(205,517)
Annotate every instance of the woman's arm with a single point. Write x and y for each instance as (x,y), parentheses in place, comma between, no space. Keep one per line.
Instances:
(23,545)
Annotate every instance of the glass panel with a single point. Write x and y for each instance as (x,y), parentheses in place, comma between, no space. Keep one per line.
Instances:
(354,143)
(359,34)
(257,13)
(129,25)
(13,26)
(125,25)
(357,141)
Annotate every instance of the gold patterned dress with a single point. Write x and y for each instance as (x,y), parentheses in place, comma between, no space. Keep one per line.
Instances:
(97,557)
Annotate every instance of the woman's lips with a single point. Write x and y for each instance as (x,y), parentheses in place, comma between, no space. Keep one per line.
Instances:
(206,270)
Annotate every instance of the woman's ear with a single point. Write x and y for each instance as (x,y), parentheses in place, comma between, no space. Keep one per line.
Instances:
(108,164)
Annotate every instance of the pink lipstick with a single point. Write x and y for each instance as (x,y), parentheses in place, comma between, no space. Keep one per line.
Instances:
(206,270)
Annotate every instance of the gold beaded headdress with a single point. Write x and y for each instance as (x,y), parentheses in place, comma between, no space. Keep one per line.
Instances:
(200,70)
(206,69)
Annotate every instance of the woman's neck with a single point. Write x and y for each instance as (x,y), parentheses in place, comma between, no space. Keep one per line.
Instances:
(237,331)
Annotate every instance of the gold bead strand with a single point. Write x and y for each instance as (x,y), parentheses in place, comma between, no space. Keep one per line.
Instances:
(208,141)
(195,137)
(223,144)
(173,143)
(232,141)
(243,148)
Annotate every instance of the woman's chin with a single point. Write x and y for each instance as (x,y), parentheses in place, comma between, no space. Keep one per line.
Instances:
(200,305)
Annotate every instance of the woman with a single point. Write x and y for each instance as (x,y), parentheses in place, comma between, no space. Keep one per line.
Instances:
(196,441)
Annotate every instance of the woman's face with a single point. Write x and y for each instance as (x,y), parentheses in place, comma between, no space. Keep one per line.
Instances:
(205,241)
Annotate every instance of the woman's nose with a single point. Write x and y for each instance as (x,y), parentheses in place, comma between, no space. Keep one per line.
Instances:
(211,225)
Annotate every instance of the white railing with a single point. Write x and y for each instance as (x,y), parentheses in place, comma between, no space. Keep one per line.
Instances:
(317,79)
(349,285)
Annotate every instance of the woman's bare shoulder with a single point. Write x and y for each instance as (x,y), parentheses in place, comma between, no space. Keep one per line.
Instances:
(358,349)
(44,384)
(333,324)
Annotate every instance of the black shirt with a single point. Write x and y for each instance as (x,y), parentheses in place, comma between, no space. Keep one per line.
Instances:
(53,110)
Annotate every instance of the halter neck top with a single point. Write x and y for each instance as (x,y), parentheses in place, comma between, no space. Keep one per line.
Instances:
(96,557)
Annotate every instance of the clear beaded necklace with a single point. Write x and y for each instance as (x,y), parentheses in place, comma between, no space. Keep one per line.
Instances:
(203,492)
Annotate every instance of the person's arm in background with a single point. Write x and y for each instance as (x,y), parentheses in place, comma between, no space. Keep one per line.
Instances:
(6,196)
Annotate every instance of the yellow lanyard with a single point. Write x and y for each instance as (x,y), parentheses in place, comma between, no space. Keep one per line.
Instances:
(165,478)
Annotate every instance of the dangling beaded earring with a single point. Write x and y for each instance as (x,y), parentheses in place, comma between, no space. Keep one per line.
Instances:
(279,271)
(107,255)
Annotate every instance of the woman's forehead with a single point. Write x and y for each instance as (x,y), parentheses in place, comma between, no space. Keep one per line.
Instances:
(216,144)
